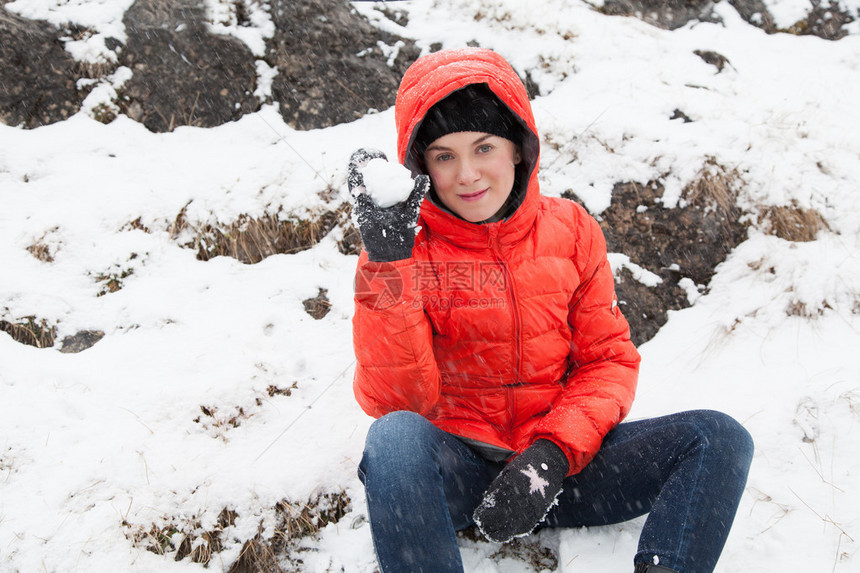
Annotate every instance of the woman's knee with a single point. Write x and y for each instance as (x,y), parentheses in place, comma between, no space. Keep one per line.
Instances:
(398,427)
(397,441)
(724,434)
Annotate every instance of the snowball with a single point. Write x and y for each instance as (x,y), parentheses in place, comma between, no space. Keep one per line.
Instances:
(387,183)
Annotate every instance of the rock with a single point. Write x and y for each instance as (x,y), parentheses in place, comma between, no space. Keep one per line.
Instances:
(81,341)
(668,14)
(183,74)
(826,21)
(37,76)
(331,66)
(717,60)
(687,241)
(756,13)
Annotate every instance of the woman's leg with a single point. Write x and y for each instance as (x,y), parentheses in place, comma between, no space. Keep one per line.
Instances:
(686,470)
(422,485)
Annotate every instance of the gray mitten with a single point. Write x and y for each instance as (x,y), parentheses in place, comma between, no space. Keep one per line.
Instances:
(388,233)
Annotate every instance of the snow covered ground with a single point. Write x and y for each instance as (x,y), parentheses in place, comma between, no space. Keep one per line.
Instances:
(171,417)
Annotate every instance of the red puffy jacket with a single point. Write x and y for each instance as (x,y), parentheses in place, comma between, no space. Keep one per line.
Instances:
(501,333)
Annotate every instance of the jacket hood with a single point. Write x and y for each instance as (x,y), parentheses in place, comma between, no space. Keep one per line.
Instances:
(431,79)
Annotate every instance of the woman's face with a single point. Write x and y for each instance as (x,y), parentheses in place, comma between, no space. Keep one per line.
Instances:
(472,173)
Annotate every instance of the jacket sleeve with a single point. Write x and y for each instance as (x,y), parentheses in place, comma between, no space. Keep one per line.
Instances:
(392,339)
(604,363)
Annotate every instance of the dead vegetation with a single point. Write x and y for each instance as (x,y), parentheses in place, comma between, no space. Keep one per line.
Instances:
(31,331)
(792,222)
(273,391)
(318,306)
(217,421)
(250,239)
(170,539)
(526,549)
(213,418)
(112,282)
(42,248)
(41,251)
(716,188)
(295,522)
(683,242)
(801,309)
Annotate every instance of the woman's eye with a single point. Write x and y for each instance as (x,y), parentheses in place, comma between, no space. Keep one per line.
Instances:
(443,157)
(485,148)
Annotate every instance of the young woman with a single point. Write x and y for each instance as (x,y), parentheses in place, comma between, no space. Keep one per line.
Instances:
(494,356)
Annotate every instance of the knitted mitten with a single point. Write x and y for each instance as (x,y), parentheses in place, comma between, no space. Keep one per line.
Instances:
(388,233)
(521,495)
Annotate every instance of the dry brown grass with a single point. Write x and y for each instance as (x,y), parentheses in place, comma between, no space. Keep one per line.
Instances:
(41,251)
(250,240)
(136,225)
(803,310)
(527,549)
(200,547)
(715,187)
(295,522)
(31,332)
(273,390)
(350,243)
(256,557)
(793,223)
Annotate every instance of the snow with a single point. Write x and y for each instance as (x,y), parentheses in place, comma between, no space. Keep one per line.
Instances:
(120,434)
(386,182)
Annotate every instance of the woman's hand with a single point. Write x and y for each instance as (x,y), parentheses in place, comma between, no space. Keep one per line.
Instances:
(521,495)
(388,233)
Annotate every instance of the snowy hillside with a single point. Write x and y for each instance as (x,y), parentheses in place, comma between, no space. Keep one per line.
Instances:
(216,411)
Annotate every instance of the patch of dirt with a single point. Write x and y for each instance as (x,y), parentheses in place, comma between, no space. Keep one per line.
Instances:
(318,306)
(333,65)
(825,19)
(668,14)
(182,74)
(38,77)
(687,241)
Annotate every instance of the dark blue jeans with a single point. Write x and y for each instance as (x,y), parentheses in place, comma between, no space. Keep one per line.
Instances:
(686,470)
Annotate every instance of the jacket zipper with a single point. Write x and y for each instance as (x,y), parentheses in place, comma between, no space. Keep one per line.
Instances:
(510,390)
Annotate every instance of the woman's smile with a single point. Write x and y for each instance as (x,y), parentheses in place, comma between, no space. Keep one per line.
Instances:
(476,196)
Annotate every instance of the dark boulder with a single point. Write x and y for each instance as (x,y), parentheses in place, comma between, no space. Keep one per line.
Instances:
(81,341)
(684,242)
(37,76)
(333,66)
(182,73)
(825,20)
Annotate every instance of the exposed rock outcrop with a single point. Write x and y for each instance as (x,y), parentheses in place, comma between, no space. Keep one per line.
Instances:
(333,66)
(183,74)
(37,76)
